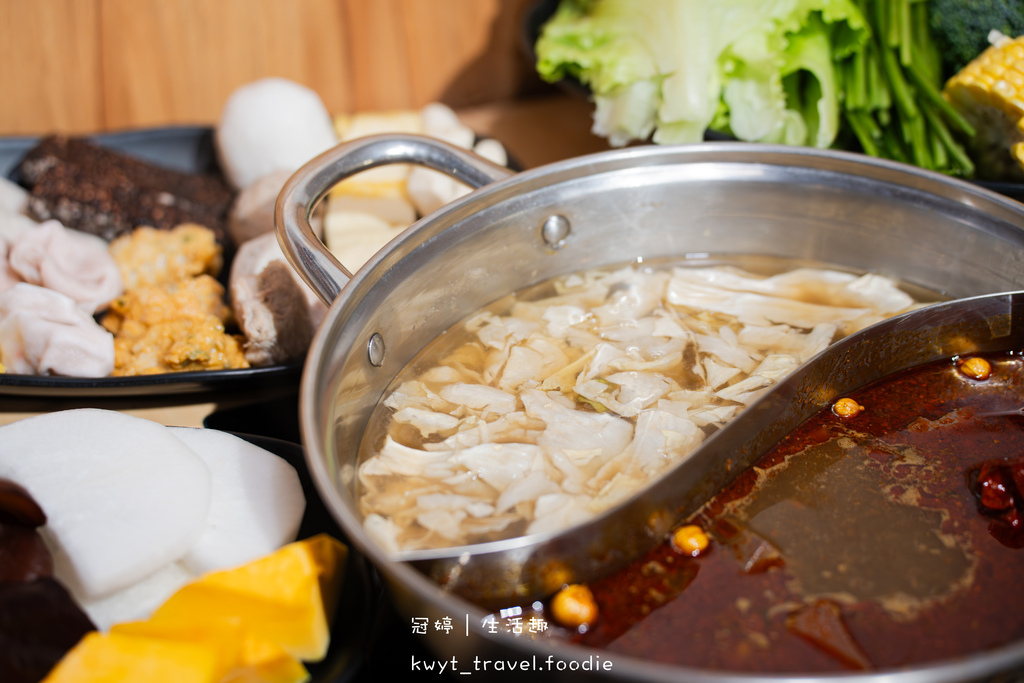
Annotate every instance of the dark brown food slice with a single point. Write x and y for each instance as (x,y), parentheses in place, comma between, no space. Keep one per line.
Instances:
(106,193)
(754,553)
(39,623)
(269,305)
(821,624)
(17,506)
(997,485)
(39,620)
(23,554)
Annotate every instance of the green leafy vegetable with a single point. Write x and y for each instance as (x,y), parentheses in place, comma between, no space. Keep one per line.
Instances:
(675,67)
(862,74)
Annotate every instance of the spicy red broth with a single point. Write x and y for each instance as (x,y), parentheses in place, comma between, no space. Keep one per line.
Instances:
(884,539)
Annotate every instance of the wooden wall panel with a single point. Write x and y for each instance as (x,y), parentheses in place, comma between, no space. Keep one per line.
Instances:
(92,65)
(381,75)
(178,60)
(49,66)
(409,52)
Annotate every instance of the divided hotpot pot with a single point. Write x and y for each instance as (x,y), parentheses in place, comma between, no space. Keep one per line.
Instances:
(636,204)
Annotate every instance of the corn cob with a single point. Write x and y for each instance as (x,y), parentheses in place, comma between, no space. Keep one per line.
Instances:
(989,92)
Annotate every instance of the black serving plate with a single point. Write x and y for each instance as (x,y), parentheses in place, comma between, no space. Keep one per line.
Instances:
(188,149)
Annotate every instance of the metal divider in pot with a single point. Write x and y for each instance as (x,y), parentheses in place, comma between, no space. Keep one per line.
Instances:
(514,231)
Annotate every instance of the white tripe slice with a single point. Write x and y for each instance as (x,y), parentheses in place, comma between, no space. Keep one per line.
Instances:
(661,438)
(794,283)
(479,397)
(139,600)
(718,374)
(880,293)
(396,458)
(639,389)
(776,366)
(355,236)
(256,502)
(123,497)
(758,309)
(554,511)
(873,291)
(561,318)
(581,436)
(712,415)
(817,340)
(429,189)
(499,464)
(396,211)
(14,224)
(427,422)
(492,150)
(383,531)
(529,488)
(13,197)
(746,391)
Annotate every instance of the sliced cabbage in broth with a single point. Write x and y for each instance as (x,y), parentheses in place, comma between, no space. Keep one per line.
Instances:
(537,413)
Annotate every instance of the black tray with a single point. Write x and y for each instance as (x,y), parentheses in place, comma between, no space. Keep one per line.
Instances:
(188,149)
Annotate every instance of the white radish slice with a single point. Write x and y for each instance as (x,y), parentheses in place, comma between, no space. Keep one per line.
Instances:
(123,497)
(138,601)
(256,504)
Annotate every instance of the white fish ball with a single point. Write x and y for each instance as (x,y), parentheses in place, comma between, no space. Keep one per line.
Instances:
(269,125)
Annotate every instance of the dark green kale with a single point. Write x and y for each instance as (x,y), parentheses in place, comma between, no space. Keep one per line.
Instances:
(960,28)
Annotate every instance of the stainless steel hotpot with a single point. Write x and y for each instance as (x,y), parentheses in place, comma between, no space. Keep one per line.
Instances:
(609,208)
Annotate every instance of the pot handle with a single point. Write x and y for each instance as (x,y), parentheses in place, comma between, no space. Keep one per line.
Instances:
(304,190)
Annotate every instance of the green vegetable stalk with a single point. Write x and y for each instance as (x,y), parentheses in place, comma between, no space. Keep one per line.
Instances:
(893,103)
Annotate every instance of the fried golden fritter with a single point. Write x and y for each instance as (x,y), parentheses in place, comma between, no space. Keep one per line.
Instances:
(148,256)
(173,327)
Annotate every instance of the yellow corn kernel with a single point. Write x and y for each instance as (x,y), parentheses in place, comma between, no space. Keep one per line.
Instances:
(989,92)
(690,539)
(847,407)
(975,368)
(574,606)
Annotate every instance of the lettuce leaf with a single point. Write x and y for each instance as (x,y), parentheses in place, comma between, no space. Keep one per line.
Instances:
(762,70)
